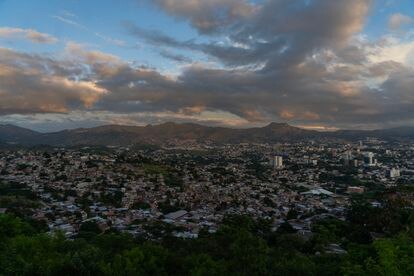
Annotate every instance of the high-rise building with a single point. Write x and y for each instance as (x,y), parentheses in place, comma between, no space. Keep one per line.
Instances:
(347,158)
(369,159)
(356,163)
(277,162)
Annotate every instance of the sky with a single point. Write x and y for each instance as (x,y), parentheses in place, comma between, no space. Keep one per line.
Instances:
(317,64)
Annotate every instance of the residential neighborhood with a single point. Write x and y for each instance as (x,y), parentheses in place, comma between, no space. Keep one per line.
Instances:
(191,189)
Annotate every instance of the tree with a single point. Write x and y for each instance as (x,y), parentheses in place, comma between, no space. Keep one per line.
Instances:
(11,227)
(145,260)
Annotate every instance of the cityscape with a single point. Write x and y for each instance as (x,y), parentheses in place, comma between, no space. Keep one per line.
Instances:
(195,188)
(207,137)
(187,190)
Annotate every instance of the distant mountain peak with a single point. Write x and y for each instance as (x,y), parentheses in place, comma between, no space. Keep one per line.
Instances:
(274,124)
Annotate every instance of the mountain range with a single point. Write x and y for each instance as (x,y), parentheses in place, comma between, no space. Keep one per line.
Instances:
(117,135)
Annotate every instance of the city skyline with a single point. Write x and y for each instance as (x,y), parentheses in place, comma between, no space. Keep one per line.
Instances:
(315,64)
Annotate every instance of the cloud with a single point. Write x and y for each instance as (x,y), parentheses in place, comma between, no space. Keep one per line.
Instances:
(56,122)
(321,90)
(393,49)
(285,61)
(156,37)
(277,33)
(397,20)
(77,51)
(28,34)
(175,57)
(304,62)
(70,22)
(209,16)
(67,18)
(39,84)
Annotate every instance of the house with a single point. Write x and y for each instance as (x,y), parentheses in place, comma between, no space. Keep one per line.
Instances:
(334,248)
(176,215)
(318,191)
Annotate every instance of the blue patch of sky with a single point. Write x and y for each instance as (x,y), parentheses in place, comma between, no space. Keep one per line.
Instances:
(377,21)
(98,24)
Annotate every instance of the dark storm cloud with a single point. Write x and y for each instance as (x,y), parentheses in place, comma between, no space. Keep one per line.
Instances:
(278,33)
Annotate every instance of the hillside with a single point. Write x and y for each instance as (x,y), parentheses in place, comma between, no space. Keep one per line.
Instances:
(172,132)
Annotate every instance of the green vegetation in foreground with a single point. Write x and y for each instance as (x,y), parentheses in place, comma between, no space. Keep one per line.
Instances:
(241,246)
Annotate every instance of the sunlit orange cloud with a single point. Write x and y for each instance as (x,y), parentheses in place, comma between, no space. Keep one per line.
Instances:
(29,34)
(318,127)
(192,110)
(48,107)
(287,115)
(308,115)
(253,115)
(90,57)
(88,91)
(311,116)
(6,71)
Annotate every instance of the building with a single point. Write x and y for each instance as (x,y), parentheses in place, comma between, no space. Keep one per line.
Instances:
(318,191)
(369,159)
(355,190)
(356,163)
(347,158)
(394,173)
(176,215)
(277,162)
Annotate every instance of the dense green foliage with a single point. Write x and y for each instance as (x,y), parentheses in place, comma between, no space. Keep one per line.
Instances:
(241,246)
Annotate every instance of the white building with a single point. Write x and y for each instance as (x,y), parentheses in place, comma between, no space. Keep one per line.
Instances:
(369,159)
(394,173)
(277,162)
